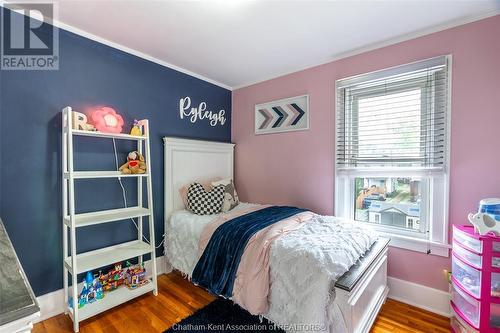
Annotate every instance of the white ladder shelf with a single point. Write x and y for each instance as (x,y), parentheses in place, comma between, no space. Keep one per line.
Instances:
(76,263)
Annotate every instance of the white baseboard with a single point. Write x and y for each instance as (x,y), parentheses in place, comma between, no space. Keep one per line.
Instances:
(52,304)
(423,297)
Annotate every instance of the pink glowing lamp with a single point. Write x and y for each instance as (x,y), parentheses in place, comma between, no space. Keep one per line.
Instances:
(106,119)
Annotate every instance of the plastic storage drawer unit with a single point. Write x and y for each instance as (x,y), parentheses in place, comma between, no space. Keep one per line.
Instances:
(472,258)
(458,325)
(467,240)
(475,282)
(467,305)
(468,277)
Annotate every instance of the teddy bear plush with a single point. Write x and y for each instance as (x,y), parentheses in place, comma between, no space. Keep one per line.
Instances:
(135,164)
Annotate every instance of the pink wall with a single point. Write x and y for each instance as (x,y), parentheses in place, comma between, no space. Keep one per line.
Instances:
(297,167)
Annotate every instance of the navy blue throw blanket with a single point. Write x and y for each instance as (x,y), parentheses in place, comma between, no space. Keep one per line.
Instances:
(217,267)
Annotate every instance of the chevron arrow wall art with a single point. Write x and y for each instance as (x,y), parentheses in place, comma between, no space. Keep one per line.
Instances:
(284,115)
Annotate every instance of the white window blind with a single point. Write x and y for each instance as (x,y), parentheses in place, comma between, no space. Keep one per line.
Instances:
(394,117)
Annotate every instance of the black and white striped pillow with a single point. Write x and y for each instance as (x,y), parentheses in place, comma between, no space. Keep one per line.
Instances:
(202,202)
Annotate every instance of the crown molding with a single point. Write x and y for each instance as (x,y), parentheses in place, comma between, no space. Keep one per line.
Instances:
(367,48)
(107,42)
(136,53)
(381,44)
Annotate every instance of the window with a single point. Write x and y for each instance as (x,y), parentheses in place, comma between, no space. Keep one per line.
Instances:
(387,201)
(392,151)
(412,223)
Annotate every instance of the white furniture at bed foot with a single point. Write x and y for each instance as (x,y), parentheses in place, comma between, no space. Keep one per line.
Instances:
(23,325)
(361,302)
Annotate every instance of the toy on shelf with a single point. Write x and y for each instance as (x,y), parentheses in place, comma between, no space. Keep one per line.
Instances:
(106,119)
(113,279)
(135,276)
(136,128)
(92,291)
(135,164)
(80,122)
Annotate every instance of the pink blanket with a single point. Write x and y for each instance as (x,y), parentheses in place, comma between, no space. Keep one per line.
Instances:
(251,286)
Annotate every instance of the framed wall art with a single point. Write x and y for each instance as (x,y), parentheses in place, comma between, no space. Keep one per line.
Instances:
(284,115)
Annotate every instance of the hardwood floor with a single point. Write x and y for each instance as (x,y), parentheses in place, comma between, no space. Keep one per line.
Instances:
(400,317)
(178,298)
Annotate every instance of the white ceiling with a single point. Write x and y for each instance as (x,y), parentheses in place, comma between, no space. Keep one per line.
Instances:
(235,43)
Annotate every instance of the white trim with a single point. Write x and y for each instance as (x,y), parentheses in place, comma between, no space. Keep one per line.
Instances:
(198,143)
(136,53)
(370,47)
(434,300)
(427,298)
(405,239)
(379,45)
(52,304)
(417,244)
(131,51)
(437,181)
(392,71)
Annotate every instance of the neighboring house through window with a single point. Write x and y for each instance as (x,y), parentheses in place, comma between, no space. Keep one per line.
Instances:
(392,152)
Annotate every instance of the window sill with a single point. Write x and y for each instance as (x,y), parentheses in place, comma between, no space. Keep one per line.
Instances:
(417,245)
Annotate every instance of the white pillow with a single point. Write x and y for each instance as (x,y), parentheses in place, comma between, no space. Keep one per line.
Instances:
(230,195)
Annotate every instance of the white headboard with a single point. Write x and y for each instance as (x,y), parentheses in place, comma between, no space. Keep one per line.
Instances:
(190,160)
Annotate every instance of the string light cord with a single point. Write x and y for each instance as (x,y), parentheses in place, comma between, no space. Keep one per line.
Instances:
(124,195)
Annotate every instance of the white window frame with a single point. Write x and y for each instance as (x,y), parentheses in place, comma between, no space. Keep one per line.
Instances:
(434,206)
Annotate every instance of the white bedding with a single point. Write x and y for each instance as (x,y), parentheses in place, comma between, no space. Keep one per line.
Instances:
(304,266)
(181,238)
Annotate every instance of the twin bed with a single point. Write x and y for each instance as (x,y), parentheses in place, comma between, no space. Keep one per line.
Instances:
(335,267)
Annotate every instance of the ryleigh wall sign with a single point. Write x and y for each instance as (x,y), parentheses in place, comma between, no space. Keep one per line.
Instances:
(200,113)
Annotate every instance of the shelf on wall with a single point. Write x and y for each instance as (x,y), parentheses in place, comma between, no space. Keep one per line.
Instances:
(112,299)
(102,174)
(104,216)
(97,134)
(88,261)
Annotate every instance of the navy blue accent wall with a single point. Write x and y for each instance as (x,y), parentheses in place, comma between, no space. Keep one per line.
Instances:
(90,74)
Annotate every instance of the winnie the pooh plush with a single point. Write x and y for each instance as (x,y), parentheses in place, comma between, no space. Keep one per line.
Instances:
(135,164)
